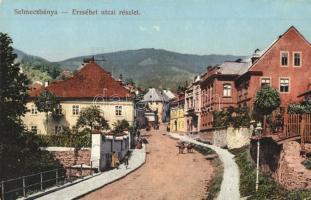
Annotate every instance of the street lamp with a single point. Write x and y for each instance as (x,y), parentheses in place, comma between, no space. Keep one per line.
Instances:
(258,132)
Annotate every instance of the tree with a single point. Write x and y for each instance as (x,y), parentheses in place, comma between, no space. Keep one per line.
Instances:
(19,152)
(129,81)
(13,93)
(267,100)
(46,102)
(120,126)
(90,118)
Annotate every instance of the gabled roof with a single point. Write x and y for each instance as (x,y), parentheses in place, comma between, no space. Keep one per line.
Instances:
(264,52)
(155,95)
(169,94)
(90,81)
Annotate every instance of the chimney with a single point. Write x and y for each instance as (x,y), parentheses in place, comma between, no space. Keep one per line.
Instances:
(209,67)
(255,56)
(89,60)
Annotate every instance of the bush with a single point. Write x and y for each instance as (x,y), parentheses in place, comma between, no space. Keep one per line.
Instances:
(77,140)
(267,100)
(307,163)
(236,117)
(300,108)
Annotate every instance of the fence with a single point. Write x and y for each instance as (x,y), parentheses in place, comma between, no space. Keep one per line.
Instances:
(292,125)
(30,184)
(306,131)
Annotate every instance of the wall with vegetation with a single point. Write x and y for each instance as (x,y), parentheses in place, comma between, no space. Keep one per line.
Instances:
(283,162)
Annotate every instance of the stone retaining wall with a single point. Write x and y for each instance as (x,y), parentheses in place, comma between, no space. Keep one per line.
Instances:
(70,156)
(228,137)
(283,162)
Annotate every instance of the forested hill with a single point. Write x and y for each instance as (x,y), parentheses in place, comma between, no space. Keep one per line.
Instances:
(153,67)
(147,67)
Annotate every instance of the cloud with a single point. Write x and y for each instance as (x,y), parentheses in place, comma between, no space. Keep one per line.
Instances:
(141,28)
(156,28)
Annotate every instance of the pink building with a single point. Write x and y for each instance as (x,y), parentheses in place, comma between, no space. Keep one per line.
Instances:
(193,106)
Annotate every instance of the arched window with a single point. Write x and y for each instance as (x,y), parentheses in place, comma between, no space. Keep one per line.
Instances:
(227,90)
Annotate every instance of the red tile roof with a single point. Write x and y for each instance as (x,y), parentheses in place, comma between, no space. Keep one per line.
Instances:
(90,81)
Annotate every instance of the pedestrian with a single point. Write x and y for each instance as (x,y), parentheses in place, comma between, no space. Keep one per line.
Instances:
(115,160)
(126,159)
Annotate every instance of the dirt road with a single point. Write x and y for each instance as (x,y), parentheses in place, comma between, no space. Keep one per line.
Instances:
(165,175)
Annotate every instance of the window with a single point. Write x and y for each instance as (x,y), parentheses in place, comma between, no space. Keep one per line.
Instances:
(284,85)
(34,129)
(118,110)
(59,109)
(227,90)
(265,81)
(58,129)
(75,110)
(284,58)
(297,59)
(34,110)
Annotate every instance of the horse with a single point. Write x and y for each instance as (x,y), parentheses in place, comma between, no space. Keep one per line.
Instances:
(190,148)
(181,147)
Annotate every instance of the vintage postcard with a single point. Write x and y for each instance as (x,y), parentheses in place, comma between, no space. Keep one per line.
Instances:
(155,99)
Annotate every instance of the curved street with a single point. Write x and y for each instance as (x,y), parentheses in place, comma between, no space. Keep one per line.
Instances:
(165,175)
(231,178)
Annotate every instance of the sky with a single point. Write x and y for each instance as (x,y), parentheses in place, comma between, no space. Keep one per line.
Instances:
(235,27)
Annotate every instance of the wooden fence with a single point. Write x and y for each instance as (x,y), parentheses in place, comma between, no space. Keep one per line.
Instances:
(306,128)
(292,125)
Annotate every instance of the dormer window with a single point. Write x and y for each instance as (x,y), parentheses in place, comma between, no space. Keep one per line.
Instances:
(284,59)
(297,59)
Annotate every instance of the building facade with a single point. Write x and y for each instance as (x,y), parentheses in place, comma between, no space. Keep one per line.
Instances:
(157,101)
(193,106)
(218,89)
(285,65)
(177,112)
(91,86)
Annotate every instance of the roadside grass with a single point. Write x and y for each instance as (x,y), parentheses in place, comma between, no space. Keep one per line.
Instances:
(214,186)
(268,188)
(307,163)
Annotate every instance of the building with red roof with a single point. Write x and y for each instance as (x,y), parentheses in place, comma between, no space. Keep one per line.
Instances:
(91,85)
(284,65)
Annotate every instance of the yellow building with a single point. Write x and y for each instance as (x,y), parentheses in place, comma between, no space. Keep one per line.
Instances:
(177,118)
(92,85)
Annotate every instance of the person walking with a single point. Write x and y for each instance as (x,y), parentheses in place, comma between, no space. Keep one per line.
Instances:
(126,159)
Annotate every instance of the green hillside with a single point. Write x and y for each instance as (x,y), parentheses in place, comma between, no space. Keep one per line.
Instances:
(37,68)
(147,67)
(153,67)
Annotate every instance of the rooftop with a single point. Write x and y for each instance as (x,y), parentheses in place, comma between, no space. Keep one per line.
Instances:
(155,95)
(90,81)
